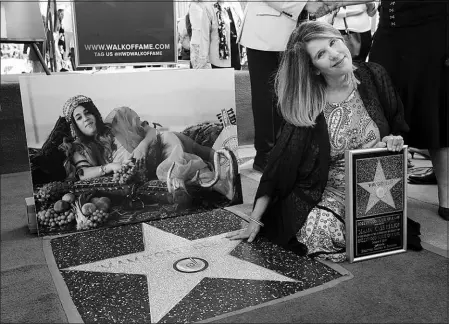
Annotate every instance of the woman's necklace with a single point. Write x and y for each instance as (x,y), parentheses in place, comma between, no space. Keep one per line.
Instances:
(336,97)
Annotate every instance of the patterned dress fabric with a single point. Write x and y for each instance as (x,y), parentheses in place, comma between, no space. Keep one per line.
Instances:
(350,127)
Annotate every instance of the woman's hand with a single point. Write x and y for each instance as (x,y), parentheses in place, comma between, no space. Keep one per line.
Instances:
(249,232)
(253,228)
(371,8)
(140,154)
(112,167)
(392,143)
(319,8)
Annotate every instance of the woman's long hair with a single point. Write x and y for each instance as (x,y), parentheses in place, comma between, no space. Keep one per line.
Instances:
(98,148)
(301,92)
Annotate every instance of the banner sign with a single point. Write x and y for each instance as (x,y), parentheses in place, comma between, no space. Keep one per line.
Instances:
(376,208)
(125,32)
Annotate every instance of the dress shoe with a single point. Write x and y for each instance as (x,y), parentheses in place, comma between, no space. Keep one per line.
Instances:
(260,162)
(444,213)
(258,168)
(423,153)
(423,178)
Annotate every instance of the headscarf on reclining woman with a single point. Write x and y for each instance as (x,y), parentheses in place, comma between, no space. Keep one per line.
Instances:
(102,147)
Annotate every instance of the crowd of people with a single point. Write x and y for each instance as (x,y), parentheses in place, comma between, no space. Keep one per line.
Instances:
(207,35)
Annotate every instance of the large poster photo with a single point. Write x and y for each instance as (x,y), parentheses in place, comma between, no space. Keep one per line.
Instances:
(120,148)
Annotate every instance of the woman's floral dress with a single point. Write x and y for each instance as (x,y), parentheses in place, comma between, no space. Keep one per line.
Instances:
(350,127)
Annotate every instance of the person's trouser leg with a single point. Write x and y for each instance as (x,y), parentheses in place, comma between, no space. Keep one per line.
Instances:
(440,162)
(366,40)
(262,66)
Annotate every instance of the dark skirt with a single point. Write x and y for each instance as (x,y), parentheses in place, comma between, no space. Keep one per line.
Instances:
(414,57)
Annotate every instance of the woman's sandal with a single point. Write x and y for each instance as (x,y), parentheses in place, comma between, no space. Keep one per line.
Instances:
(229,176)
(177,189)
(226,179)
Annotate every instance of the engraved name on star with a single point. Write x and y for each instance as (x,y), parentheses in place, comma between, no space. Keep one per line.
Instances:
(379,189)
(167,286)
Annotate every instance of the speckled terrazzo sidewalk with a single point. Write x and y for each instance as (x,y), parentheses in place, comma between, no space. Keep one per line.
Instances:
(130,274)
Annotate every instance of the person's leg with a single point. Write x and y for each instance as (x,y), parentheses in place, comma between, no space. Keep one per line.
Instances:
(235,55)
(440,162)
(365,39)
(190,146)
(262,66)
(225,184)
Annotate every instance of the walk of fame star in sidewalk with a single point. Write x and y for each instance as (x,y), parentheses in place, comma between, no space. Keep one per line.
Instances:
(127,273)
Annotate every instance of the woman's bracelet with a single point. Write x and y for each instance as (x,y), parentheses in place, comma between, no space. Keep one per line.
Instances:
(102,170)
(255,221)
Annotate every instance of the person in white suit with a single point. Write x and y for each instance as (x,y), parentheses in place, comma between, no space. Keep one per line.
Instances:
(215,27)
(267,25)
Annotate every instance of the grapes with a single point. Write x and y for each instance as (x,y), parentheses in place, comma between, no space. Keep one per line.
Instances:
(96,219)
(49,217)
(51,191)
(128,173)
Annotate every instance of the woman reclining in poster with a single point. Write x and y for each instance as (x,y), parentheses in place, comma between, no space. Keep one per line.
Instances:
(102,147)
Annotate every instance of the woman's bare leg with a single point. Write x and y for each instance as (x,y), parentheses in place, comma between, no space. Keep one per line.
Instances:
(190,146)
(171,139)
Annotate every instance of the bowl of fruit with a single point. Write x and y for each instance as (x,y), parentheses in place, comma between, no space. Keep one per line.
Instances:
(84,212)
(59,214)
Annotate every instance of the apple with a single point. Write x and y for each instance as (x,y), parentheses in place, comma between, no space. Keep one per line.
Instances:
(88,209)
(106,200)
(69,197)
(95,200)
(61,206)
(104,204)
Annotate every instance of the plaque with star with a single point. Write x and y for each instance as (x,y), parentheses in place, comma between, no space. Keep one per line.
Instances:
(376,209)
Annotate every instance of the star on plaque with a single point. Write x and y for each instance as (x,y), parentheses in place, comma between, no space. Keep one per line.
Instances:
(174,266)
(379,189)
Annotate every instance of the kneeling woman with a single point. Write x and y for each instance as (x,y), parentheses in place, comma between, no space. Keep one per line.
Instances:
(102,147)
(329,106)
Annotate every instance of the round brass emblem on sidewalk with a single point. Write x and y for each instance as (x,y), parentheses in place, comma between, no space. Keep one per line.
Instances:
(190,265)
(380,192)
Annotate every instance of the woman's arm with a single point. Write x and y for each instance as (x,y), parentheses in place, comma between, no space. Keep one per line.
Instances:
(85,170)
(393,108)
(150,136)
(253,228)
(141,150)
(260,207)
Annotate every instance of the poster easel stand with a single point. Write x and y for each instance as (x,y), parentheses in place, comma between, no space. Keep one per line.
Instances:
(34,48)
(41,59)
(22,24)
